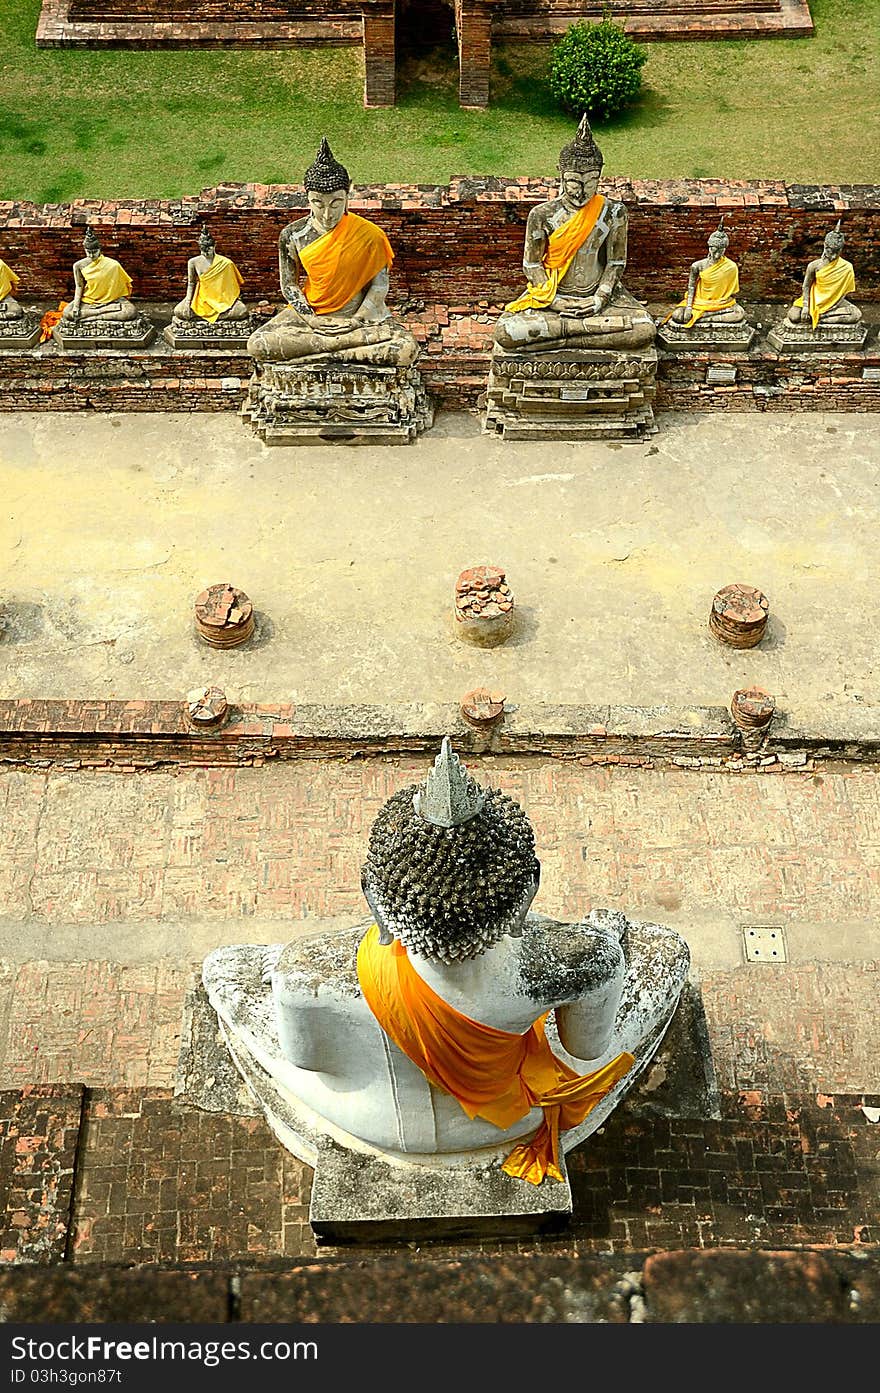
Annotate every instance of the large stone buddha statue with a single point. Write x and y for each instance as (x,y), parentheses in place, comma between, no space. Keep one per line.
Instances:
(333,267)
(334,365)
(573,357)
(822,315)
(574,258)
(454,1025)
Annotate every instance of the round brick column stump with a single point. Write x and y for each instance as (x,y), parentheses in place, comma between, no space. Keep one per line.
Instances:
(482,708)
(483,606)
(752,710)
(206,707)
(224,616)
(739,616)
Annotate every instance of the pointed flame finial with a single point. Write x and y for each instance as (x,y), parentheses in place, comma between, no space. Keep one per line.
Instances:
(449,796)
(582,154)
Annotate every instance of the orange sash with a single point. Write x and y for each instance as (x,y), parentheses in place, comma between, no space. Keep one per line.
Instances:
(342,262)
(493,1074)
(562,248)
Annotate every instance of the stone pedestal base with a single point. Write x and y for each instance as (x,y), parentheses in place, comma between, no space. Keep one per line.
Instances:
(231,334)
(134,333)
(586,395)
(327,401)
(20,333)
(361,1199)
(705,336)
(786,337)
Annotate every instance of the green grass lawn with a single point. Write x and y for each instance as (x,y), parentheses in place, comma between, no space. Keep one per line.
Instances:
(117,124)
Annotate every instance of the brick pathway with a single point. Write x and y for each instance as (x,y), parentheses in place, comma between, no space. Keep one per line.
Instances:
(159,1183)
(288,841)
(118,879)
(91,854)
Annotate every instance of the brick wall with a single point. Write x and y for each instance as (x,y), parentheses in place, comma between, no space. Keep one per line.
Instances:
(456,243)
(454,367)
(205,11)
(473,20)
(130,735)
(380,73)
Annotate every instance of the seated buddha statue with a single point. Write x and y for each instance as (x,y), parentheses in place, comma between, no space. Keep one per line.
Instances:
(333,268)
(454,1020)
(10,309)
(101,288)
(713,285)
(827,282)
(212,286)
(575,255)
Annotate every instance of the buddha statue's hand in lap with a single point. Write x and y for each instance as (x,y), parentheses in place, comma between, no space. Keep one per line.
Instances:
(827,282)
(333,268)
(575,255)
(101,288)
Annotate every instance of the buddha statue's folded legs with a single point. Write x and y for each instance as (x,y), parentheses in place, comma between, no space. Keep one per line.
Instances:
(185,311)
(623,324)
(10,309)
(293,336)
(844,312)
(116,312)
(734,315)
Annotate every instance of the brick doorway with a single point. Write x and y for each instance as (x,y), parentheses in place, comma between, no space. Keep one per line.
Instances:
(398,30)
(425,27)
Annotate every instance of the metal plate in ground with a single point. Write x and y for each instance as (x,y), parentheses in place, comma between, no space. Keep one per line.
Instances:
(764,943)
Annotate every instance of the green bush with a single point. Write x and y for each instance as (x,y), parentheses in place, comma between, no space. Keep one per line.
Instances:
(596,68)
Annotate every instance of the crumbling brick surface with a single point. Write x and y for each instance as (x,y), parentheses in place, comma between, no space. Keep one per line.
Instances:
(39,1131)
(713,1287)
(160,1183)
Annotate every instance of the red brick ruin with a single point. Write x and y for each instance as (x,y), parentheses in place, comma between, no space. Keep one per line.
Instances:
(382,26)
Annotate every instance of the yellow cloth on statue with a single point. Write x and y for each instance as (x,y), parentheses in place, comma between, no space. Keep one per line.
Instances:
(831,284)
(563,246)
(342,262)
(716,289)
(492,1073)
(217,290)
(105,281)
(8,280)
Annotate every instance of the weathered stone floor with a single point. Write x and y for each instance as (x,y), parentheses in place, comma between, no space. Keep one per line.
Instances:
(112,525)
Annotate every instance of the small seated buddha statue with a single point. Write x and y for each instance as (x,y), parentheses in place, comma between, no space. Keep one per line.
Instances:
(575,256)
(20,328)
(709,310)
(822,314)
(212,286)
(10,309)
(101,288)
(333,267)
(454,1022)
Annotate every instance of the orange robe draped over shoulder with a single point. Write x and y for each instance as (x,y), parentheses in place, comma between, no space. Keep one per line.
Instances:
(342,262)
(494,1074)
(563,246)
